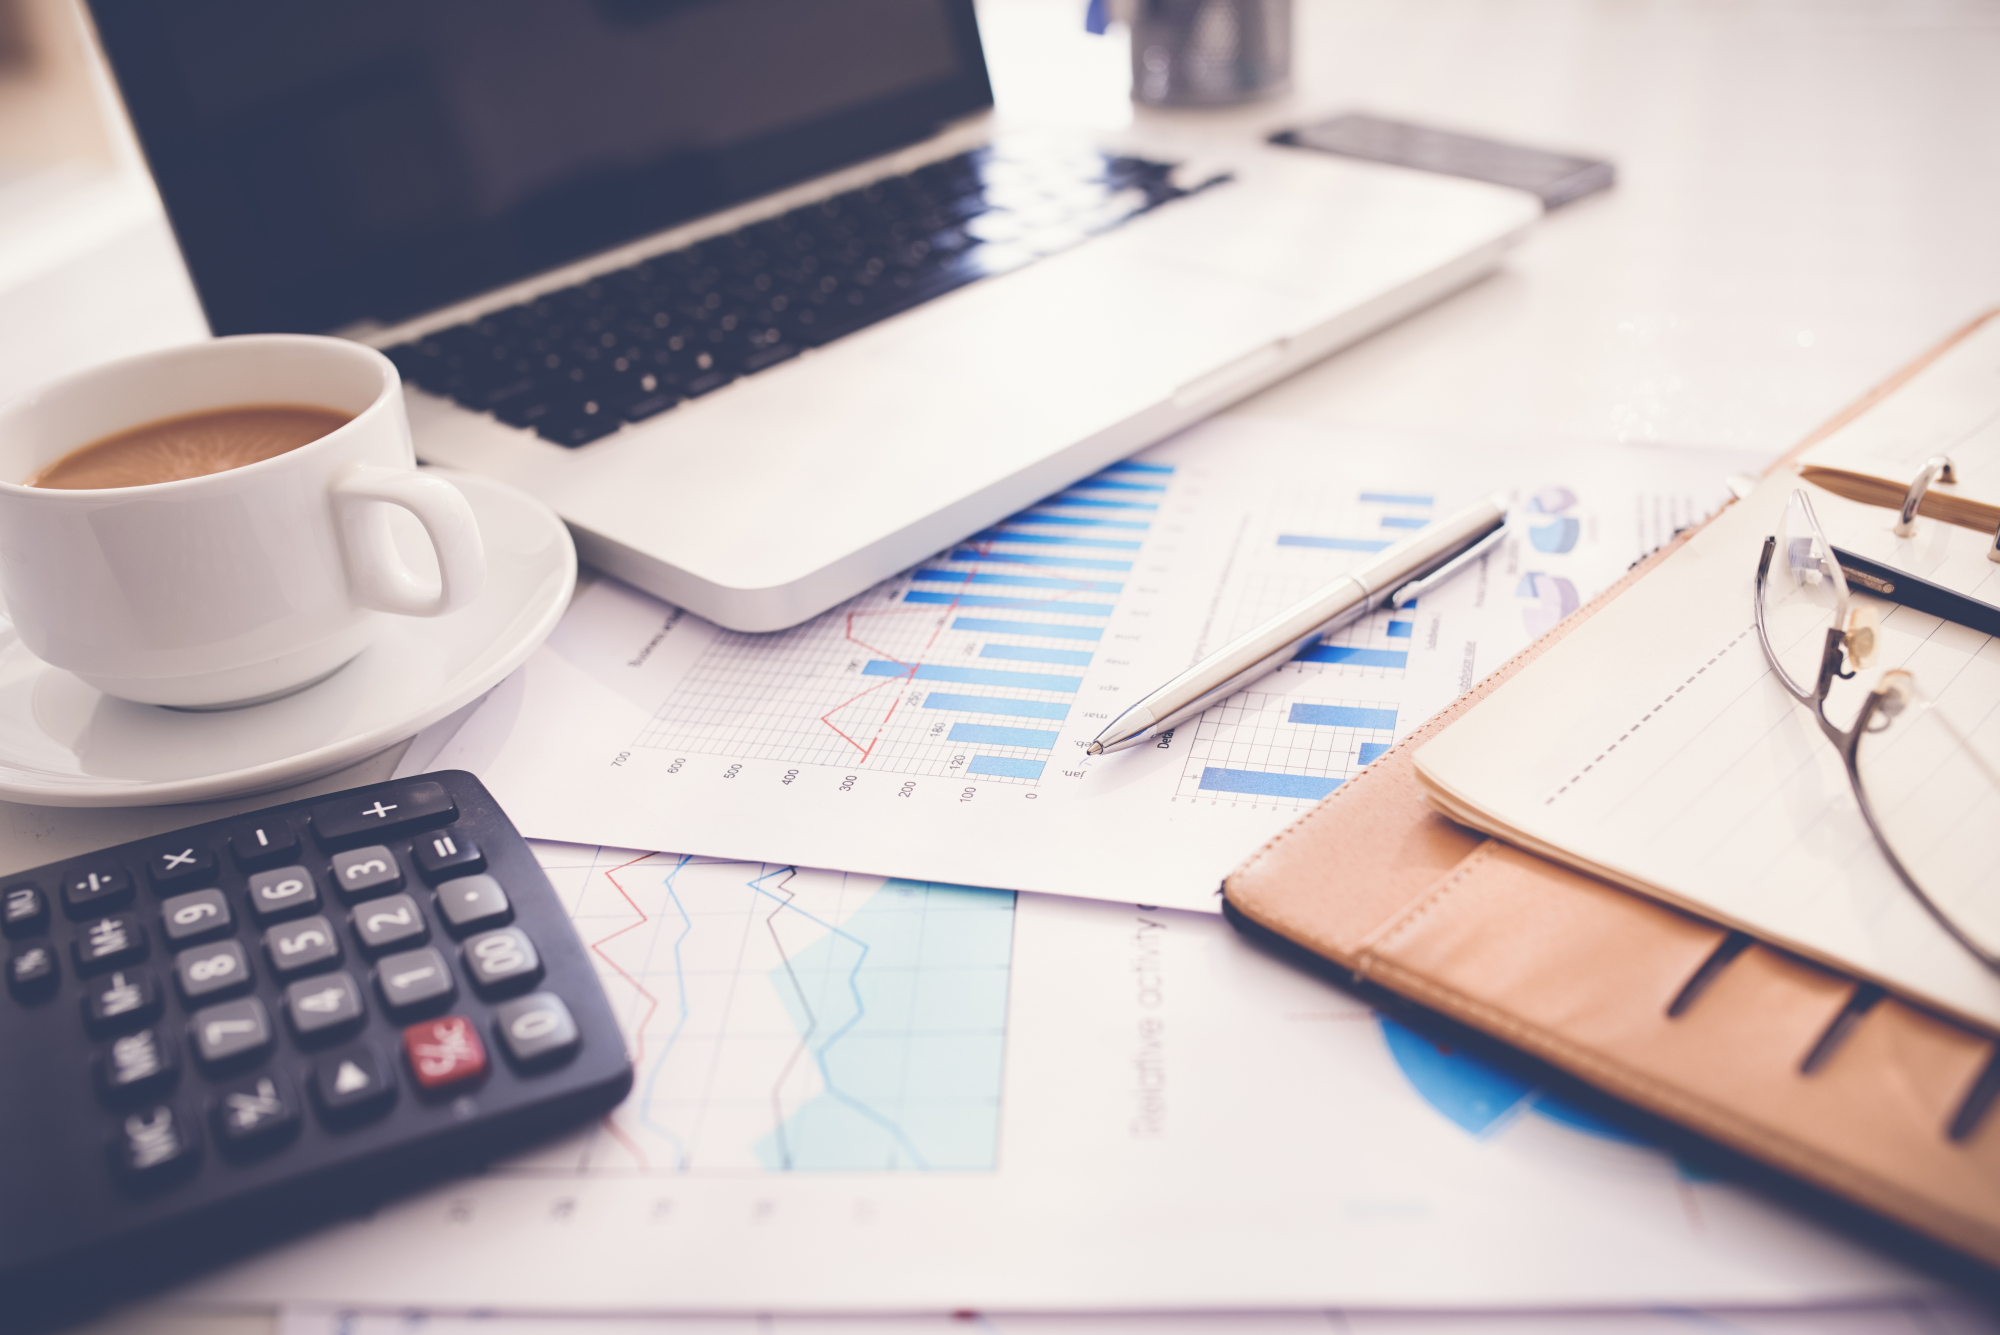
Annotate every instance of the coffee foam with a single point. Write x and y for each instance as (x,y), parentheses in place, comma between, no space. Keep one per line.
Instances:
(193,445)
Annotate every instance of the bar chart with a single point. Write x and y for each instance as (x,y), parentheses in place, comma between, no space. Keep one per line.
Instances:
(1264,748)
(968,666)
(1275,747)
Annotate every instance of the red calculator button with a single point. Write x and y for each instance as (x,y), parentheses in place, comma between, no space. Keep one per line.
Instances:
(444,1051)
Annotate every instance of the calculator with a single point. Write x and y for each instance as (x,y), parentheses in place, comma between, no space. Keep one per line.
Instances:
(221,1036)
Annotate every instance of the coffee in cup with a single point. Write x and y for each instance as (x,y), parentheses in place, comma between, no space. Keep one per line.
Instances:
(175,548)
(191,445)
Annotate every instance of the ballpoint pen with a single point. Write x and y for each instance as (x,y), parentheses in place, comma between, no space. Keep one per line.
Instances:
(1412,567)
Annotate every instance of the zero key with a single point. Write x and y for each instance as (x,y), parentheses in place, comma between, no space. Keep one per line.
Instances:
(376,812)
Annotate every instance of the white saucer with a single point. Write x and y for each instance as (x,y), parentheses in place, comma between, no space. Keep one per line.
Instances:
(64,744)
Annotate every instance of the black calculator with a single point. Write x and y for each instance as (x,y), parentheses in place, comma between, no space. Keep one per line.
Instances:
(224,1035)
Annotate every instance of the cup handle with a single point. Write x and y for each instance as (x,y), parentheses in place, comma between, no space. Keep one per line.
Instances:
(381,579)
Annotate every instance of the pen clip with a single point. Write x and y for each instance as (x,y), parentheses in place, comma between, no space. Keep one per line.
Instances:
(1417,588)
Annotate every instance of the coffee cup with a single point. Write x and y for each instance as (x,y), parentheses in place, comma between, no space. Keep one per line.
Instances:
(237,586)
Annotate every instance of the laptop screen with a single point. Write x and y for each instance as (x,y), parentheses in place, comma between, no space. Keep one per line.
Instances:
(327,163)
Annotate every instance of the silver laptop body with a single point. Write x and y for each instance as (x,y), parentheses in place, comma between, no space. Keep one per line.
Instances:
(789,490)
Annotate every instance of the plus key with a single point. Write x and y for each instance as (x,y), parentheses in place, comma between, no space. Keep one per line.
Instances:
(444,1052)
(368,817)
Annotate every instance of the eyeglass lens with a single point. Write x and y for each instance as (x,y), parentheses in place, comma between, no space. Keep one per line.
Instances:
(1930,774)
(1804,596)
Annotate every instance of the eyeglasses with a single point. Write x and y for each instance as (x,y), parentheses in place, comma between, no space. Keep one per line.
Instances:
(1928,784)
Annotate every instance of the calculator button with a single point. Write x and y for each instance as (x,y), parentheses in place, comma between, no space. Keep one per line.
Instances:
(95,890)
(209,972)
(197,914)
(109,943)
(320,1007)
(154,1146)
(174,865)
(414,979)
(444,1052)
(378,812)
(122,1000)
(352,1084)
(255,843)
(502,960)
(300,947)
(281,892)
(362,872)
(473,901)
(446,853)
(536,1029)
(31,972)
(256,1113)
(386,924)
(24,910)
(137,1063)
(234,1031)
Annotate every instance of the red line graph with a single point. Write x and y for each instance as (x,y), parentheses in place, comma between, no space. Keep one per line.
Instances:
(850,632)
(652,1002)
(910,673)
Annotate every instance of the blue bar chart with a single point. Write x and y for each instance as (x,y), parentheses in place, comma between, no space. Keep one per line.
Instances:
(968,666)
(1292,746)
(1262,747)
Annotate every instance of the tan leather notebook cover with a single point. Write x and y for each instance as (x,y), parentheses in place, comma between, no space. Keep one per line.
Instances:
(1869,1097)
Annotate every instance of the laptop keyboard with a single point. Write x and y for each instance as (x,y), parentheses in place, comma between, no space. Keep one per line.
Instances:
(576,364)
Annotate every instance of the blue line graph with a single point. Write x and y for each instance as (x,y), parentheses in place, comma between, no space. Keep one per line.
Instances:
(903,1008)
(680,1020)
(1396,498)
(1129,466)
(796,1021)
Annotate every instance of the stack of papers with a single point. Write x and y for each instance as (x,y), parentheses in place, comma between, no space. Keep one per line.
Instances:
(905,1088)
(935,727)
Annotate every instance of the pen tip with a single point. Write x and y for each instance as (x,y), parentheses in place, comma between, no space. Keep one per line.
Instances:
(1095,749)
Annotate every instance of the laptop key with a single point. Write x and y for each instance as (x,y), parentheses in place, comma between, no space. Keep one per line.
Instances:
(733,305)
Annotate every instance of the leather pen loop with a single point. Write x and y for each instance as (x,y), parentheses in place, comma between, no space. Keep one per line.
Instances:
(1937,468)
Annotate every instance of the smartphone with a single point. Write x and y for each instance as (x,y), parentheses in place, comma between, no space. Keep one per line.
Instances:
(1558,178)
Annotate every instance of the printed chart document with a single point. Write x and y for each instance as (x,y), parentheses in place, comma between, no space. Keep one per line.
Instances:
(1654,746)
(863,1095)
(935,726)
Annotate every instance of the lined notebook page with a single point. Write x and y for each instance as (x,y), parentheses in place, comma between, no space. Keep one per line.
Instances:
(1951,407)
(1653,746)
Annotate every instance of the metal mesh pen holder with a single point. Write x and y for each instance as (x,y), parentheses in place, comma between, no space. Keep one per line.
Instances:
(1204,53)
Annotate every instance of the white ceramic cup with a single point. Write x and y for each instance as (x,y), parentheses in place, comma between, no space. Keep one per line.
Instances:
(240,586)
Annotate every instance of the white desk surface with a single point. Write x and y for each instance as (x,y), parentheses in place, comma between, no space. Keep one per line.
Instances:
(1807,198)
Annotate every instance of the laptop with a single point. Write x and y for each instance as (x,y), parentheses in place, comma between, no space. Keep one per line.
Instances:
(757,294)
